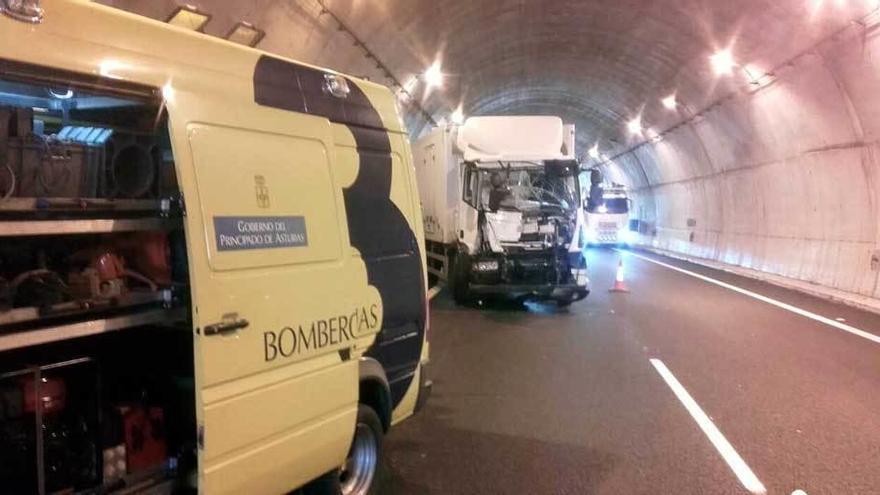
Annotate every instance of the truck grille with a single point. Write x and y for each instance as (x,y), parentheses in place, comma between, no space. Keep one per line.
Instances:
(607,236)
(533,269)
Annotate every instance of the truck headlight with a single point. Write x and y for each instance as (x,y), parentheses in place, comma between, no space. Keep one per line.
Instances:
(486,266)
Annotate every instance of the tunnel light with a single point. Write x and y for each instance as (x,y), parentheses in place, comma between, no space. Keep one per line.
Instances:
(670,102)
(457,116)
(434,75)
(635,125)
(594,152)
(189,17)
(244,33)
(723,62)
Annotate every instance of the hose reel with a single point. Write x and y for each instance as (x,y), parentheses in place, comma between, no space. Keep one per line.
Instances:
(132,167)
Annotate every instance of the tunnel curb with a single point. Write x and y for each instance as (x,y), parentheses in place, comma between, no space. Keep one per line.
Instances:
(857,301)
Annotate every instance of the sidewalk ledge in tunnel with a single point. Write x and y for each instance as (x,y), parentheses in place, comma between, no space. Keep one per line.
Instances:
(855,300)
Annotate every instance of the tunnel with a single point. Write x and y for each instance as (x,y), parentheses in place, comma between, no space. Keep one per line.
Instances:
(766,165)
(440,247)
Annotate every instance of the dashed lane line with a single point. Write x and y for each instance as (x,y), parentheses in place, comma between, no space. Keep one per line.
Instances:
(728,453)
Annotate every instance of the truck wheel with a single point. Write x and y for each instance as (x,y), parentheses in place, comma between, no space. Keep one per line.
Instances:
(460,274)
(358,474)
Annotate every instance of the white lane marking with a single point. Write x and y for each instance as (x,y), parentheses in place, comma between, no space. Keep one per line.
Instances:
(779,304)
(736,463)
(798,492)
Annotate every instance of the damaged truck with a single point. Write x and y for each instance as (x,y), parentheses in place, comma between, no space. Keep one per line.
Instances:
(502,209)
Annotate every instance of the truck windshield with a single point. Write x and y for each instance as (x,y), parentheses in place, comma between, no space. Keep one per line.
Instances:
(613,205)
(526,189)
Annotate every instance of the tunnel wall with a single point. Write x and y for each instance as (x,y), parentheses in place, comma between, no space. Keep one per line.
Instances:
(780,179)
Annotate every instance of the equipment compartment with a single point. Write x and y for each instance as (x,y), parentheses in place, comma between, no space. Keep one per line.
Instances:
(56,280)
(89,205)
(119,419)
(96,350)
(67,142)
(49,428)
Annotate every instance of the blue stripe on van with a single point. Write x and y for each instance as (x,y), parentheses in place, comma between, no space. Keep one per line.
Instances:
(376,227)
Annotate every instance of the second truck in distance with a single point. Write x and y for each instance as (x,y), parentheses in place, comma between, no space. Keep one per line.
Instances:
(607,213)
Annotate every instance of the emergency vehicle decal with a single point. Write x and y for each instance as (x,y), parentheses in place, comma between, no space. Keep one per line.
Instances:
(377,228)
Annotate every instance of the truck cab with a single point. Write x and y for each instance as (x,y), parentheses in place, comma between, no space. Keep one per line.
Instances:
(503,208)
(607,214)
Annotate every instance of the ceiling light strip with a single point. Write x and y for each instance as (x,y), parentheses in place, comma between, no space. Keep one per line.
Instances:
(866,22)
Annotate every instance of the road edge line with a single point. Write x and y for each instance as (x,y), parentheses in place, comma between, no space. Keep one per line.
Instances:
(779,304)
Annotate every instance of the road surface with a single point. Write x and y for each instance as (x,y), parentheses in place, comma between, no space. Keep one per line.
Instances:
(682,386)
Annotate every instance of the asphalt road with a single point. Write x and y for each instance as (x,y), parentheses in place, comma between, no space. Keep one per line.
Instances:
(546,401)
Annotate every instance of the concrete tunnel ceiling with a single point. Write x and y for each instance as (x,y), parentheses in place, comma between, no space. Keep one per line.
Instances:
(771,168)
(597,63)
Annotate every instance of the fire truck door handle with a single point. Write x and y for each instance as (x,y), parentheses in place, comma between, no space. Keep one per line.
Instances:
(230,323)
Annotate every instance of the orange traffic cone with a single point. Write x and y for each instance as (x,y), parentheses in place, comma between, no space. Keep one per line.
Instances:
(619,285)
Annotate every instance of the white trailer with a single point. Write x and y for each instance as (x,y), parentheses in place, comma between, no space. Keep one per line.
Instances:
(502,208)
